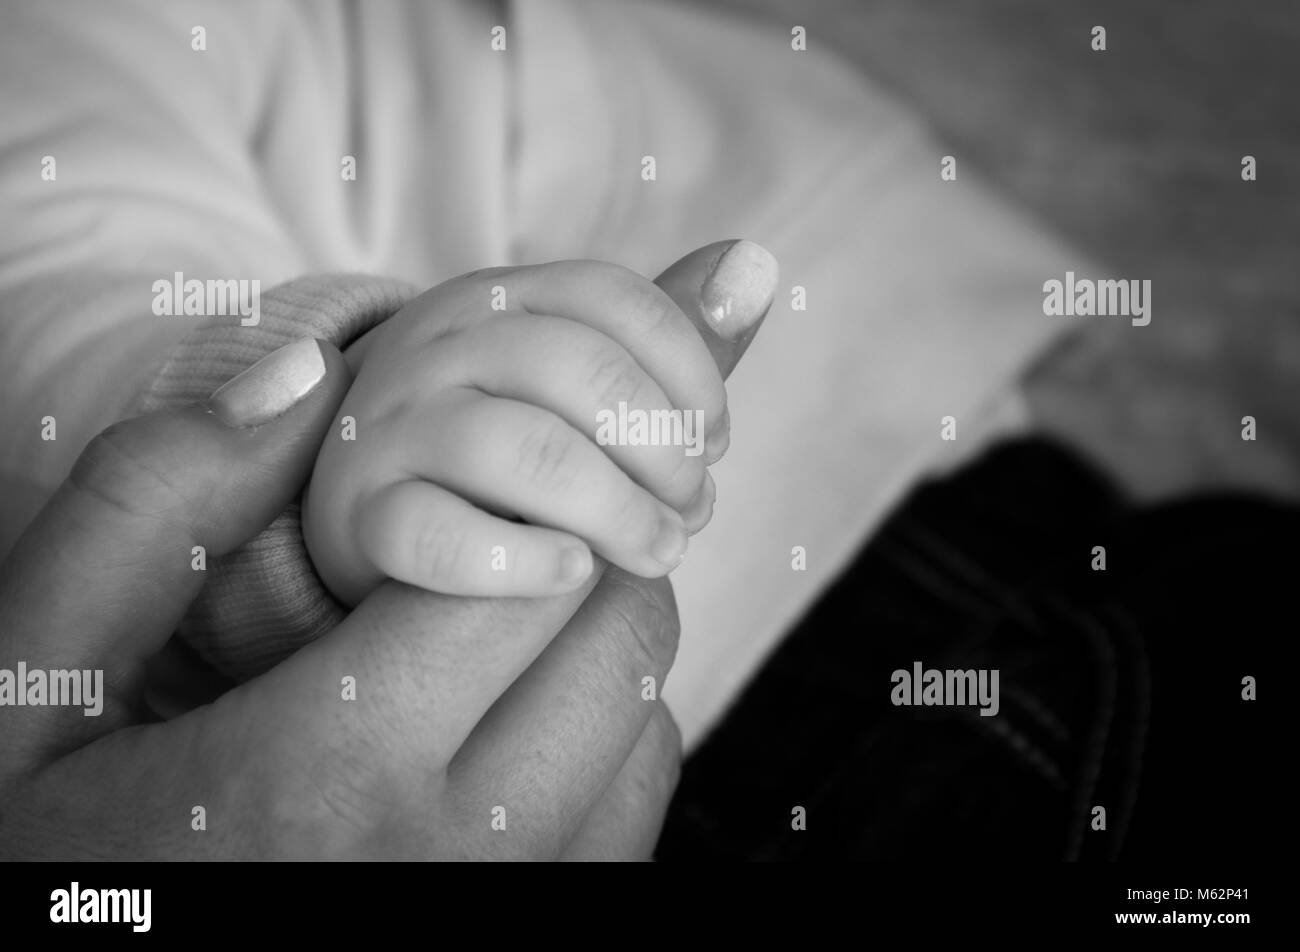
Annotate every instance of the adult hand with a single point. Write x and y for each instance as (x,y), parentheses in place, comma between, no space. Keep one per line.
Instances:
(475,730)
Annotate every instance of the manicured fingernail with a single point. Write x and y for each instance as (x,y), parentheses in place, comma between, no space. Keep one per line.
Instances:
(739,289)
(270,387)
(575,566)
(715,447)
(700,510)
(668,547)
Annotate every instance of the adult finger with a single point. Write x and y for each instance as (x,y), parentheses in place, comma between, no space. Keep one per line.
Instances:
(548,749)
(624,824)
(726,289)
(581,705)
(106,571)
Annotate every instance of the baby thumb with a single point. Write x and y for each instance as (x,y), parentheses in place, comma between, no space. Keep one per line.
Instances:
(726,289)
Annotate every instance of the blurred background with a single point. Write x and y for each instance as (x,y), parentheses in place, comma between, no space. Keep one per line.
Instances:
(1134,154)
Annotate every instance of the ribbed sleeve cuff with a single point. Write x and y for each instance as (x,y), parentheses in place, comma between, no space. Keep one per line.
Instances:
(263,601)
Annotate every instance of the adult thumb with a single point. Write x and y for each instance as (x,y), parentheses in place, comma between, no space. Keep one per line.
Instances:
(106,571)
(726,289)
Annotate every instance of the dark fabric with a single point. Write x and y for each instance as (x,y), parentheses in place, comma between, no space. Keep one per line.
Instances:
(1118,688)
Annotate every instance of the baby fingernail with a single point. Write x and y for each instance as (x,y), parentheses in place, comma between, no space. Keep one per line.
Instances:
(718,441)
(575,566)
(700,510)
(668,547)
(271,387)
(739,289)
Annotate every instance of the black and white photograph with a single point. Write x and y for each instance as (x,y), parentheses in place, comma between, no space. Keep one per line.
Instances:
(690,431)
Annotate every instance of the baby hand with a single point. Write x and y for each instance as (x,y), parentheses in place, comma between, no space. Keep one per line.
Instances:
(475,468)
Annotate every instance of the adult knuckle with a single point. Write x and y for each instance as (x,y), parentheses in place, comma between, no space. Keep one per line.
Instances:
(113,470)
(665,740)
(344,810)
(643,623)
(343,805)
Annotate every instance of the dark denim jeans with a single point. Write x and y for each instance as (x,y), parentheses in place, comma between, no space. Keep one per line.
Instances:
(1119,688)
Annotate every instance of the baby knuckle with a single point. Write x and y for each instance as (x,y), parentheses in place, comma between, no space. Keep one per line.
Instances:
(606,275)
(439,550)
(613,378)
(655,312)
(548,456)
(640,301)
(460,436)
(472,288)
(687,474)
(635,517)
(482,274)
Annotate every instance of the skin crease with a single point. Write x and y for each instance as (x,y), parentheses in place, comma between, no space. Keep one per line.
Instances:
(463,703)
